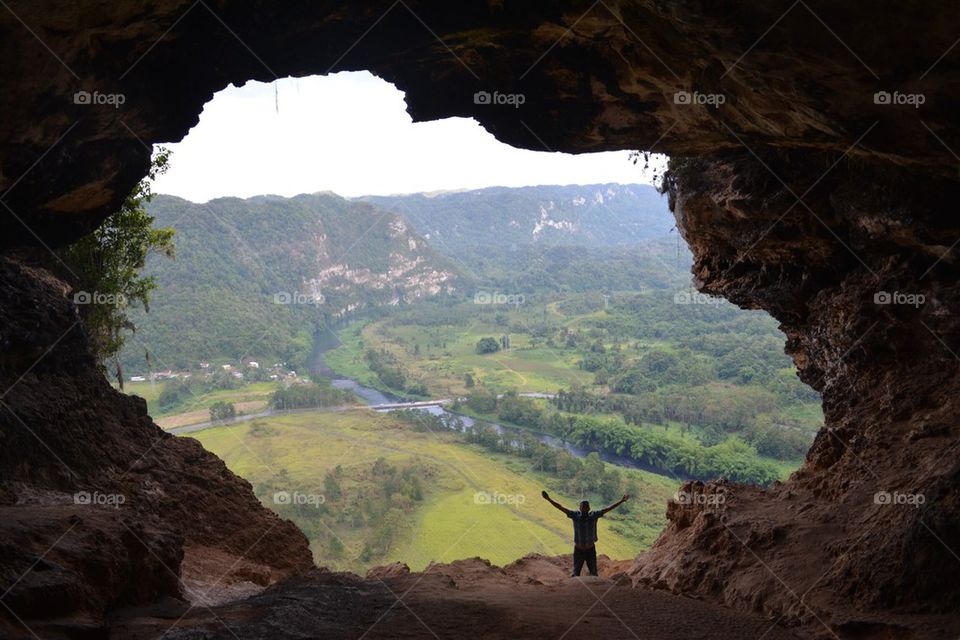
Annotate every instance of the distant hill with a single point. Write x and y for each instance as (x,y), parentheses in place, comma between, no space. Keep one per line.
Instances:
(256,277)
(559,238)
(598,215)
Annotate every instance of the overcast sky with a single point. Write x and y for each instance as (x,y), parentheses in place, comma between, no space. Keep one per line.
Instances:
(350,133)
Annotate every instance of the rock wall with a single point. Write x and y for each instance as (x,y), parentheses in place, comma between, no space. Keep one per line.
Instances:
(825,141)
(617,74)
(98,506)
(861,280)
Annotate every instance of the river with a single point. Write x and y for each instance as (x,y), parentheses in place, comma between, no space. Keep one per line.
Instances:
(326,340)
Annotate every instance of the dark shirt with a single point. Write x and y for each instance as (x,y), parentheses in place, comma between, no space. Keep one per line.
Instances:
(584,526)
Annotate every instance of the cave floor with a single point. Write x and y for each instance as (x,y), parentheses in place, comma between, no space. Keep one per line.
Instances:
(325,605)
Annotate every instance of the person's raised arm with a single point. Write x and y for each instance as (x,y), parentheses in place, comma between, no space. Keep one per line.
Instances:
(546,496)
(615,504)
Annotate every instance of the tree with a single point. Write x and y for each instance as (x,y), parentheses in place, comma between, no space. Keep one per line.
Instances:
(104,267)
(222,411)
(331,487)
(482,400)
(487,345)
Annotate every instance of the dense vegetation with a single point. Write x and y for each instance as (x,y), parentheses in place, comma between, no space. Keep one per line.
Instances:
(236,258)
(375,501)
(105,268)
(671,451)
(575,476)
(422,494)
(174,393)
(222,410)
(697,389)
(574,215)
(244,281)
(311,395)
(577,291)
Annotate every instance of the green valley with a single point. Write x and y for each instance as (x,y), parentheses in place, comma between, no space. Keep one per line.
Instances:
(368,488)
(558,322)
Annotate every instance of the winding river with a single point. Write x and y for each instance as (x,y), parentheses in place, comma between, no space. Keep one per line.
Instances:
(318,367)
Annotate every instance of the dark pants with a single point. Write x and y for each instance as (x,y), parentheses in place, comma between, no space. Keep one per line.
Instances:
(585,555)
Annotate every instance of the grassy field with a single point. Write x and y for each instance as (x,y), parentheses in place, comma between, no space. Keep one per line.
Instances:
(448,523)
(447,354)
(347,359)
(250,398)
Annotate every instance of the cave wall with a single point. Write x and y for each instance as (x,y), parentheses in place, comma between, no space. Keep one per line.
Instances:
(808,195)
(98,505)
(864,535)
(595,76)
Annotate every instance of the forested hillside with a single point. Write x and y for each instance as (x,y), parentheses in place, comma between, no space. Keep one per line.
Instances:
(500,217)
(256,277)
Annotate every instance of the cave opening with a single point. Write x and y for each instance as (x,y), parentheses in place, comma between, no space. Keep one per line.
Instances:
(284,197)
(821,189)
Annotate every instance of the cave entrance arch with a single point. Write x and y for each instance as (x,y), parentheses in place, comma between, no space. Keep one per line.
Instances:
(881,195)
(697,373)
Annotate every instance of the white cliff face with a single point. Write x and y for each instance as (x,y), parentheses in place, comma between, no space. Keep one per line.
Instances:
(546,221)
(408,276)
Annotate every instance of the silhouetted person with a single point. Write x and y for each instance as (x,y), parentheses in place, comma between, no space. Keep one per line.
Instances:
(584,531)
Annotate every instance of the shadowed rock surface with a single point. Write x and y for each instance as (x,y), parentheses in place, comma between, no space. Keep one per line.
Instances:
(532,598)
(99,506)
(807,198)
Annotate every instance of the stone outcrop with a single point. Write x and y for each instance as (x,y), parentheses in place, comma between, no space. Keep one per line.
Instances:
(98,505)
(595,76)
(824,179)
(860,276)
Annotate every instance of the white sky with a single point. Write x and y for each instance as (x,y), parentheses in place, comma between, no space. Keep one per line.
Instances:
(350,133)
